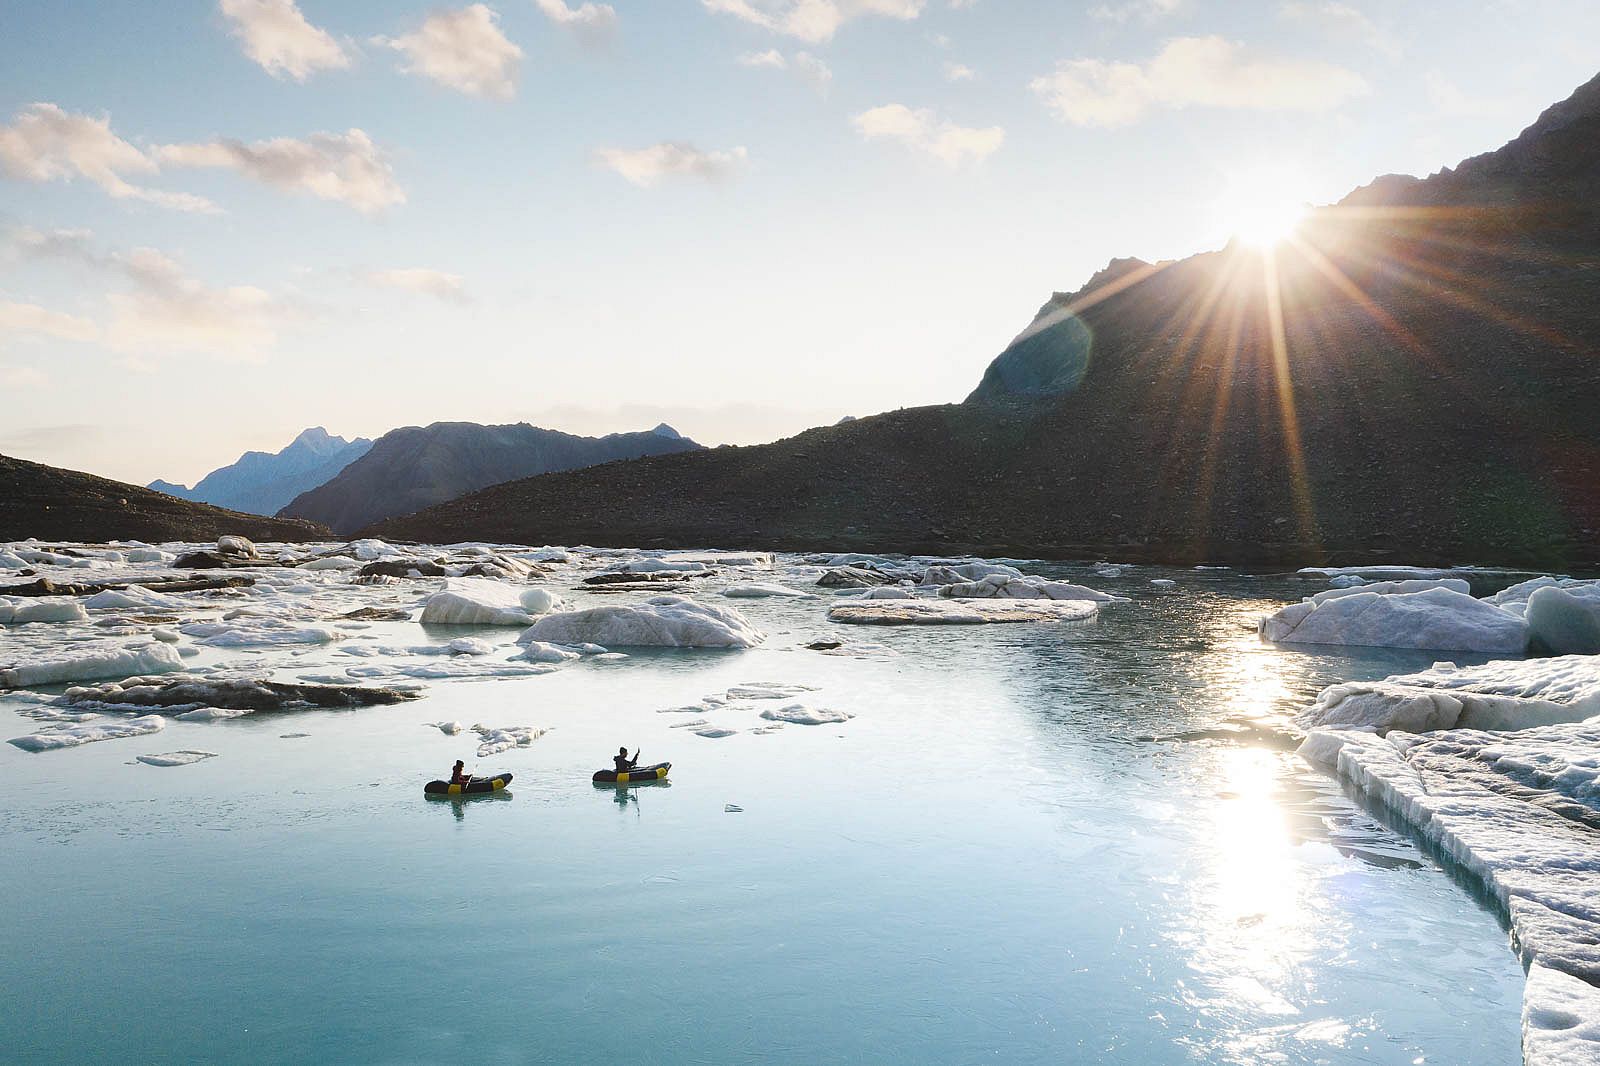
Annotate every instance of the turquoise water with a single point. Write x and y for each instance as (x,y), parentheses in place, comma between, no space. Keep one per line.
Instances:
(1080,843)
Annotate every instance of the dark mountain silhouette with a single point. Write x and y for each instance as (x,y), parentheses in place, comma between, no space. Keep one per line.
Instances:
(263,483)
(416,467)
(54,504)
(1414,377)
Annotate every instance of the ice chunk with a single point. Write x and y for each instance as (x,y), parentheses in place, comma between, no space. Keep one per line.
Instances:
(888,592)
(765,690)
(186,757)
(1391,588)
(210,714)
(960,612)
(1347,581)
(236,546)
(711,732)
(332,562)
(1002,587)
(493,741)
(1563,623)
(149,555)
(1163,583)
(661,621)
(15,612)
(539,651)
(801,714)
(745,560)
(660,566)
(1438,618)
(132,597)
(86,662)
(759,590)
(474,601)
(449,729)
(71,736)
(1496,695)
(950,574)
(1560,1019)
(258,633)
(855,577)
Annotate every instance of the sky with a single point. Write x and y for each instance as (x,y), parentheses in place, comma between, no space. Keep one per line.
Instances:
(223,221)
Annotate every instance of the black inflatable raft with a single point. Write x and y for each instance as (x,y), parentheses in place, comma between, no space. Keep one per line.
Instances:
(478,786)
(640,776)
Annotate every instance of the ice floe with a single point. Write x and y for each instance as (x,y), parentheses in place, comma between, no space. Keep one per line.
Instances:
(960,612)
(1437,618)
(493,741)
(1005,587)
(258,633)
(802,714)
(765,690)
(177,695)
(18,611)
(1497,695)
(482,602)
(760,590)
(538,651)
(55,737)
(87,662)
(186,757)
(661,621)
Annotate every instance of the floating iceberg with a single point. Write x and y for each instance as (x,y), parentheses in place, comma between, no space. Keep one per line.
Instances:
(493,741)
(1004,587)
(1437,618)
(187,757)
(15,612)
(759,591)
(472,601)
(951,574)
(801,714)
(661,621)
(538,651)
(88,662)
(960,612)
(1564,621)
(132,597)
(1494,696)
(56,737)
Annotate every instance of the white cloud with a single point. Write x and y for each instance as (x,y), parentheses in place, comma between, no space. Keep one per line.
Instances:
(436,283)
(157,308)
(1341,20)
(812,20)
(923,130)
(20,377)
(1193,72)
(45,143)
(591,23)
(464,50)
(646,166)
(958,72)
(165,311)
(18,318)
(808,68)
(348,167)
(1143,10)
(770,58)
(278,38)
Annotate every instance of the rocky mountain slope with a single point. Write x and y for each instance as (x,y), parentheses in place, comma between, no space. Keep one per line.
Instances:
(1413,377)
(263,483)
(54,504)
(416,467)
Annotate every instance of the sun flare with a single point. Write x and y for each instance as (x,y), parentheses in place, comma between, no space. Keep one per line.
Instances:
(1261,208)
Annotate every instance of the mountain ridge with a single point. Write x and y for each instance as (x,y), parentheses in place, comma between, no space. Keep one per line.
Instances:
(265,482)
(414,467)
(1395,384)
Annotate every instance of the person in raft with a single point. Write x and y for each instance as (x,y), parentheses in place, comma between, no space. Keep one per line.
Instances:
(459,776)
(624,764)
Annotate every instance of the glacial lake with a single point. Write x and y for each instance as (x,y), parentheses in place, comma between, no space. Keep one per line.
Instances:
(1054,842)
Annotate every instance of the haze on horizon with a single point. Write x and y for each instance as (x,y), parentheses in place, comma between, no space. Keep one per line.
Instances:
(226,221)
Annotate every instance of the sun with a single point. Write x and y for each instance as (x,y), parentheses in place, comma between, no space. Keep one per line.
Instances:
(1261,207)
